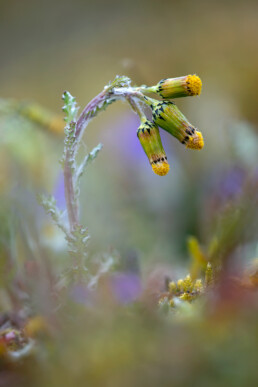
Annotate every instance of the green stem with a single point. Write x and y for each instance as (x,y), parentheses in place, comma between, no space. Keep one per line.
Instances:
(136,108)
(146,89)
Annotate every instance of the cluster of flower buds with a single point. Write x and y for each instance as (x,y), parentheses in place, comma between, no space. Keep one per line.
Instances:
(166,115)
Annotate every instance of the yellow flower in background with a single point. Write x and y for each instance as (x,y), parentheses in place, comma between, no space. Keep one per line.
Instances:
(36,113)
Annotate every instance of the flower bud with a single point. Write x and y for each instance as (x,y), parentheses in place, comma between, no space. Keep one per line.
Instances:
(167,115)
(179,87)
(148,134)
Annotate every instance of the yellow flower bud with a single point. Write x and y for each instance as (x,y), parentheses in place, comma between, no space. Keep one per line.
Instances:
(180,285)
(148,134)
(172,287)
(198,286)
(186,296)
(189,85)
(188,284)
(167,115)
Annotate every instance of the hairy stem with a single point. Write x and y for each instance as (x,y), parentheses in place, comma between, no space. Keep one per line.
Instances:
(86,115)
(72,207)
(136,107)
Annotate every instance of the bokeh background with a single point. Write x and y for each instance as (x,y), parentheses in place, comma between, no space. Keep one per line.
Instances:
(51,46)
(155,229)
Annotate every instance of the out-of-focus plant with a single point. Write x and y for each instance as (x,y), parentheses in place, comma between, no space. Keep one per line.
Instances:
(32,112)
(186,290)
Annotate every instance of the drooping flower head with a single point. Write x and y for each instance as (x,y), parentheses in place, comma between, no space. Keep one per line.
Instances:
(148,134)
(188,85)
(167,115)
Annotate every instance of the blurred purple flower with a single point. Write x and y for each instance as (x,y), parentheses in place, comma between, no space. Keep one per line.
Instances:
(126,287)
(231,183)
(59,193)
(80,294)
(121,134)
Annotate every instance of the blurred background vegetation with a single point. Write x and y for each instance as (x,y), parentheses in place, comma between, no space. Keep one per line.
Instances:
(50,46)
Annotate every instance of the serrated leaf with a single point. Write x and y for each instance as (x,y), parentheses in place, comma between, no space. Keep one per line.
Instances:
(48,202)
(70,107)
(119,81)
(87,159)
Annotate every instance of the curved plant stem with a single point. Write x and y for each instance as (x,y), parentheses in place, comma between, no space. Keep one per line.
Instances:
(88,112)
(71,200)
(136,107)
(75,131)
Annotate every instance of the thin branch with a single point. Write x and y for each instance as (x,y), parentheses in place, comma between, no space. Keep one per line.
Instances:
(87,114)
(135,106)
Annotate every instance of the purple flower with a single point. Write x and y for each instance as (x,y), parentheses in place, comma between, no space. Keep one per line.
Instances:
(232,183)
(122,135)
(59,193)
(80,294)
(126,287)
